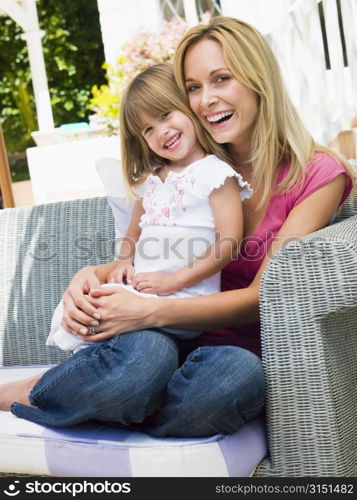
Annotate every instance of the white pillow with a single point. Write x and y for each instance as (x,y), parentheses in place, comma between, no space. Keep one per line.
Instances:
(119,199)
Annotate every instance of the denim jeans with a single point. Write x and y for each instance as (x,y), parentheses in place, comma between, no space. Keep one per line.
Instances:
(137,380)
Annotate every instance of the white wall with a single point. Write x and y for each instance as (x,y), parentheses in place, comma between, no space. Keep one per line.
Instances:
(262,14)
(120,19)
(67,171)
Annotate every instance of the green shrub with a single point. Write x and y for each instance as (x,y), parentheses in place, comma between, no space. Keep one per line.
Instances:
(73,54)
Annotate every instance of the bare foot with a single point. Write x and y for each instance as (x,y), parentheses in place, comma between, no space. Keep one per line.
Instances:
(17,391)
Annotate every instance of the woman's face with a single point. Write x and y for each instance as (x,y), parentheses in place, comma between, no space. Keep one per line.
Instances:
(226,108)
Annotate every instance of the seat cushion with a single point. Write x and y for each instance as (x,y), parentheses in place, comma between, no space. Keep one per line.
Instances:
(98,450)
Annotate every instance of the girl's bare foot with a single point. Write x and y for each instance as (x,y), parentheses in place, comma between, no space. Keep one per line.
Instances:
(17,391)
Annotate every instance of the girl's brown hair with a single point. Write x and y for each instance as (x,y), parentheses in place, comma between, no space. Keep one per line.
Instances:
(155,92)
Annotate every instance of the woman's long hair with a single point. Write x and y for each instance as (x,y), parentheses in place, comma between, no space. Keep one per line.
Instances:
(279,133)
(154,91)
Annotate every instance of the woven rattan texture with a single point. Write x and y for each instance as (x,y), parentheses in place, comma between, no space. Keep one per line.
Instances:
(349,208)
(41,248)
(309,317)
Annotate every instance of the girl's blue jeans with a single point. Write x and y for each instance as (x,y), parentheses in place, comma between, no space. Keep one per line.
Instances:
(138,380)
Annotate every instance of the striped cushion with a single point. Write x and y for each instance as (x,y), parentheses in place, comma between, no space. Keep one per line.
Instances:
(95,449)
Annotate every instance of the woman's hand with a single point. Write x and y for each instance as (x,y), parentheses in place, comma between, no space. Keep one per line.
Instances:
(121,311)
(78,311)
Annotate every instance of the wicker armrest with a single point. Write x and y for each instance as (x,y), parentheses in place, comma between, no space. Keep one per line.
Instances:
(309,318)
(41,249)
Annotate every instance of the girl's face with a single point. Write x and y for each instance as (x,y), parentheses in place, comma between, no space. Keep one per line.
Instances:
(172,136)
(226,108)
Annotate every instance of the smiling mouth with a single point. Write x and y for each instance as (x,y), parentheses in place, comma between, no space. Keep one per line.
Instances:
(220,118)
(171,143)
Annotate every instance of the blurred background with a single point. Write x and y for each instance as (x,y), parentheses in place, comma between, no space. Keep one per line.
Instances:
(64,65)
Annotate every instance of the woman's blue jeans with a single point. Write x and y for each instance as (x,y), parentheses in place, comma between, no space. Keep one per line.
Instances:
(137,380)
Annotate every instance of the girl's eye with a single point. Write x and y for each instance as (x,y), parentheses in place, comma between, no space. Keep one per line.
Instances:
(165,115)
(147,130)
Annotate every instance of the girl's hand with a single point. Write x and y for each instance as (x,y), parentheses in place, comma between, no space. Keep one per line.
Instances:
(79,313)
(159,283)
(123,270)
(121,311)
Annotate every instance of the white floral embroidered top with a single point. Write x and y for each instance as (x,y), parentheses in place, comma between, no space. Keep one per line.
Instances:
(178,223)
(183,198)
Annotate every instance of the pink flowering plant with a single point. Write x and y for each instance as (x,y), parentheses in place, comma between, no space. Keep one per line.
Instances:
(145,49)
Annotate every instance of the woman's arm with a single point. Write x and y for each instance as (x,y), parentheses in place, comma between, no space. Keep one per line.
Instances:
(79,313)
(227,210)
(242,306)
(124,312)
(312,214)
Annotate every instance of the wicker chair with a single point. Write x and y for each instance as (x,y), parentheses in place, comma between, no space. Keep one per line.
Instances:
(308,310)
(308,314)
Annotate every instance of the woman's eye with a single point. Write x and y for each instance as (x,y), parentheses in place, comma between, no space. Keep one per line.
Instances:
(222,78)
(192,88)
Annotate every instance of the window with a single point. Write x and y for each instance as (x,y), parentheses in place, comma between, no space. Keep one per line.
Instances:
(172,8)
(212,6)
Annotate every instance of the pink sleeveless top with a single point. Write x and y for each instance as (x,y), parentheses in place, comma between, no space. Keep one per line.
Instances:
(241,272)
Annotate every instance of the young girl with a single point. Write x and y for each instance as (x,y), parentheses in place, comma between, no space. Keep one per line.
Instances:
(186,224)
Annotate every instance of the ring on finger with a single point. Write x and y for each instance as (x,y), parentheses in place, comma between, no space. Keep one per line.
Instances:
(92,331)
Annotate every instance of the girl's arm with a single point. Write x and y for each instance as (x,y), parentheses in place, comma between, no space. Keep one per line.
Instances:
(124,312)
(227,210)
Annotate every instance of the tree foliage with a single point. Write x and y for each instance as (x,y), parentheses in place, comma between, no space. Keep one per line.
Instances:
(73,54)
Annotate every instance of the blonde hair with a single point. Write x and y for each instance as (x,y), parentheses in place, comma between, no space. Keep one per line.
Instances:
(279,133)
(153,91)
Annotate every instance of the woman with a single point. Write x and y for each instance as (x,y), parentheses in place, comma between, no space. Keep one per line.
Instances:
(233,85)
